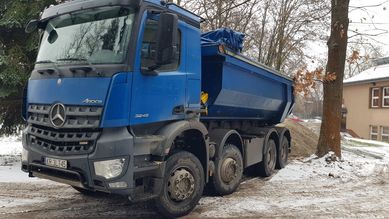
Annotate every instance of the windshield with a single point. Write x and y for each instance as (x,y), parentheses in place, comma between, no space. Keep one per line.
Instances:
(98,36)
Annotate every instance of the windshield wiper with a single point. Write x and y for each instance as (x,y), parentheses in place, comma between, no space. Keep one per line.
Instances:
(84,69)
(50,71)
(71,59)
(44,62)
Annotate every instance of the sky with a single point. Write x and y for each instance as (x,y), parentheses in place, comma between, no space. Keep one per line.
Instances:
(372,19)
(369,19)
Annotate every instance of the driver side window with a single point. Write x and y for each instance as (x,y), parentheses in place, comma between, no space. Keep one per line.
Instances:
(149,46)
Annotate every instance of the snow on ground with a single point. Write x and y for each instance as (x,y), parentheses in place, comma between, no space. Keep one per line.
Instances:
(351,166)
(10,166)
(359,159)
(363,142)
(12,173)
(10,145)
(311,120)
(355,186)
(19,202)
(316,184)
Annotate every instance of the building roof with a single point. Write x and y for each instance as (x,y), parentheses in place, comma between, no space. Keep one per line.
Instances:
(373,74)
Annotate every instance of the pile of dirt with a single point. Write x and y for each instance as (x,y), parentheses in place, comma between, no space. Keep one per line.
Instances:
(304,140)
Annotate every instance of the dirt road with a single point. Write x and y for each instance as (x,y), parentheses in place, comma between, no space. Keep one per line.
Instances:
(303,189)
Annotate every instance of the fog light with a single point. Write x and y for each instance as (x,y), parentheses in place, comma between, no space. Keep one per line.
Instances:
(24,155)
(109,168)
(118,185)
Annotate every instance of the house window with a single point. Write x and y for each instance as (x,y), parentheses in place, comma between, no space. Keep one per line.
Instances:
(385,97)
(374,132)
(375,97)
(385,134)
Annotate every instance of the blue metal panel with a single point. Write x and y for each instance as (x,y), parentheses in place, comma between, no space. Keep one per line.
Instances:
(116,112)
(193,94)
(155,97)
(113,94)
(178,10)
(72,91)
(239,89)
(193,67)
(185,12)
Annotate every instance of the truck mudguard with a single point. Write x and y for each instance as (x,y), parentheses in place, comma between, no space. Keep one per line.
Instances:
(272,133)
(220,137)
(173,130)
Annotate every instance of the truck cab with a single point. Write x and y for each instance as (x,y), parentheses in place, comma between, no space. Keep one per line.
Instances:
(114,105)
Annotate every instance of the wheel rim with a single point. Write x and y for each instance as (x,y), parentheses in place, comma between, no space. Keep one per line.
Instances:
(181,185)
(229,170)
(271,162)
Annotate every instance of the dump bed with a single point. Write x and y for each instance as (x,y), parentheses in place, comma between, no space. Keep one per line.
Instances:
(242,89)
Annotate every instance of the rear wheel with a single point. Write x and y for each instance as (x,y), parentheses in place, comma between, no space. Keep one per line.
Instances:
(268,164)
(229,171)
(183,185)
(283,152)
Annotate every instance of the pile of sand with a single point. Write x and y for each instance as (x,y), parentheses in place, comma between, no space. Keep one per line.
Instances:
(304,140)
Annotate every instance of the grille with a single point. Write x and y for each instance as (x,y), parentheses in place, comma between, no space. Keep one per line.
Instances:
(62,143)
(76,116)
(77,136)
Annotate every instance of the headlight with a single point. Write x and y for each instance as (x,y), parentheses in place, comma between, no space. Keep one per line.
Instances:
(109,168)
(24,155)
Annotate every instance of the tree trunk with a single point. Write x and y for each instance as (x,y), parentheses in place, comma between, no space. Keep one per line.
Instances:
(329,139)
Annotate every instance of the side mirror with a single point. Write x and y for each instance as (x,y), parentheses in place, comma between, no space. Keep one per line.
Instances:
(31,26)
(166,39)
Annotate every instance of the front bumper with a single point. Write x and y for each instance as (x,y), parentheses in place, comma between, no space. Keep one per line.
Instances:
(142,176)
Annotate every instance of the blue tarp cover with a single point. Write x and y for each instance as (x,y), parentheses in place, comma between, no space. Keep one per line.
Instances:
(232,39)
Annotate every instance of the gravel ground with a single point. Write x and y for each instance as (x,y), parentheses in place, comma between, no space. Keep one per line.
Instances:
(305,188)
(355,187)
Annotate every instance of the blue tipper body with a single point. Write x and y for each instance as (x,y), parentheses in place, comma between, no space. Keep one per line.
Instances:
(240,88)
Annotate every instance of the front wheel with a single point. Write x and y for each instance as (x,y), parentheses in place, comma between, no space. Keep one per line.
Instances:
(183,185)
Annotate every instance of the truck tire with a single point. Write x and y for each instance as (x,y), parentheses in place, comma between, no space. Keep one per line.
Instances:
(183,185)
(228,171)
(283,152)
(268,164)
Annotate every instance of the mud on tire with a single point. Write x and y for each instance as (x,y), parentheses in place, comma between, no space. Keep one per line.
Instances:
(282,153)
(183,185)
(268,164)
(229,171)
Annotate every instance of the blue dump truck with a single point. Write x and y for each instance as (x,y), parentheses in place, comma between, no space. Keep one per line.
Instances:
(127,98)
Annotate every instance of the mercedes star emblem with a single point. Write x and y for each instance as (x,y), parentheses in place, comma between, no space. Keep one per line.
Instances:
(57,115)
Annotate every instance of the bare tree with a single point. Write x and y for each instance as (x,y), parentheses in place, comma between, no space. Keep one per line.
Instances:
(360,56)
(235,14)
(279,36)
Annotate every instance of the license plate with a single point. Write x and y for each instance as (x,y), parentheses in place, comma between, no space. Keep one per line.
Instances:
(63,164)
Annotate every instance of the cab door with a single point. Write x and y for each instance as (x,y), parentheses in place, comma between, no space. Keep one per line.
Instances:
(160,96)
